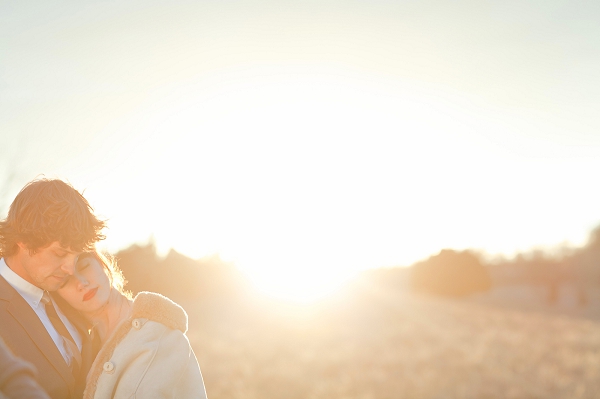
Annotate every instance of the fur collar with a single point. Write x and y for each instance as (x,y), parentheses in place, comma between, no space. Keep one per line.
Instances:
(152,306)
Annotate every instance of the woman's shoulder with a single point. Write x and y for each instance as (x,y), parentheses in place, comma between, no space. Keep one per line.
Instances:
(159,308)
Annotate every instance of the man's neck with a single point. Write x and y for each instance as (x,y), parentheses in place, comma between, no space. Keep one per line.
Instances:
(30,292)
(14,263)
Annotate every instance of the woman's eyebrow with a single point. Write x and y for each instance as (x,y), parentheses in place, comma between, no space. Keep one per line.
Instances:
(84,256)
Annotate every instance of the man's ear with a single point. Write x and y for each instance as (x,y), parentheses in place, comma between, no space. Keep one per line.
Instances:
(23,248)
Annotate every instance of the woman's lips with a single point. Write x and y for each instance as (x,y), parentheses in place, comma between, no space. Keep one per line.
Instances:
(90,294)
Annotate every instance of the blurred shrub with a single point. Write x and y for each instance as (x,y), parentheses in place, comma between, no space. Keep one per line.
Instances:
(450,273)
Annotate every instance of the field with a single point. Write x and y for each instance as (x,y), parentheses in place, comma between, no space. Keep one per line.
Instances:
(392,345)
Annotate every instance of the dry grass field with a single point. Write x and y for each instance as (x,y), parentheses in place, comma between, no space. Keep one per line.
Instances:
(392,345)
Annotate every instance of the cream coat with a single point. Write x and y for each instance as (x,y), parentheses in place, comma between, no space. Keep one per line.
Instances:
(147,356)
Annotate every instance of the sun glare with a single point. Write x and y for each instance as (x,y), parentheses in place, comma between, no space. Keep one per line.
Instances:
(305,175)
(291,283)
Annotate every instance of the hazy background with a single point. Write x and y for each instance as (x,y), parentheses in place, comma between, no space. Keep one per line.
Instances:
(306,141)
(246,152)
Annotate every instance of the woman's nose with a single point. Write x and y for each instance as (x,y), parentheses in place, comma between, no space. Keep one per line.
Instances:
(82,281)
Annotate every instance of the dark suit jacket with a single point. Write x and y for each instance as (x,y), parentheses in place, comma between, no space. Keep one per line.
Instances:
(26,336)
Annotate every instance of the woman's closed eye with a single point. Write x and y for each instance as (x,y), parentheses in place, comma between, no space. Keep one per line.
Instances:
(82,265)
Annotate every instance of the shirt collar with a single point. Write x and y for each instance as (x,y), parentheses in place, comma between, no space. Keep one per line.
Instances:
(28,291)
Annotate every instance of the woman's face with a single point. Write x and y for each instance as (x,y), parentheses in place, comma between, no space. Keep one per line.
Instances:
(88,289)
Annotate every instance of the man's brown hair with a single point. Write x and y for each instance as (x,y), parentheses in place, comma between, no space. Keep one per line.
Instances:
(49,210)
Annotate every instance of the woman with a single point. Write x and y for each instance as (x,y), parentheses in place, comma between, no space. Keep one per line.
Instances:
(144,352)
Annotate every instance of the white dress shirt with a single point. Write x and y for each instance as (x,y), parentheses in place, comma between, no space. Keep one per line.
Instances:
(33,296)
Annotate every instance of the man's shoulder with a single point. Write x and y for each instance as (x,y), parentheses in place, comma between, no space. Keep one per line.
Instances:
(12,304)
(7,292)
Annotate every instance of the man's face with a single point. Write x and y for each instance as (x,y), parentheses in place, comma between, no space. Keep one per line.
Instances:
(48,268)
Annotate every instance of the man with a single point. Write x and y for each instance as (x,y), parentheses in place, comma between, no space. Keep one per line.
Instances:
(48,225)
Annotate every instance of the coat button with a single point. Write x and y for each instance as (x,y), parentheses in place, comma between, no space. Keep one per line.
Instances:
(108,367)
(136,324)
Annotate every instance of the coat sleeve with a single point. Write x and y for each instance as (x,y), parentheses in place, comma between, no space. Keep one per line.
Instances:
(172,372)
(154,362)
(17,377)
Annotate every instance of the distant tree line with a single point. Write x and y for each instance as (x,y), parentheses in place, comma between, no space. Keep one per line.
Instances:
(579,268)
(454,273)
(448,273)
(178,276)
(580,265)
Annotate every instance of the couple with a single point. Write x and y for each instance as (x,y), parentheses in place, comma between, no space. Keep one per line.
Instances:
(63,308)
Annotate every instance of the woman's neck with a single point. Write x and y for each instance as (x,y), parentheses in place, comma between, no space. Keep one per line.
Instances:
(117,309)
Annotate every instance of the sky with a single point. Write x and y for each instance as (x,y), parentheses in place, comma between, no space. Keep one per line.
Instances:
(306,141)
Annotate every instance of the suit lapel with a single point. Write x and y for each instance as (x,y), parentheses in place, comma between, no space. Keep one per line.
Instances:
(29,320)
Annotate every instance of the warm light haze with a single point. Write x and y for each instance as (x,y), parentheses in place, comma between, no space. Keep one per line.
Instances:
(307,142)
